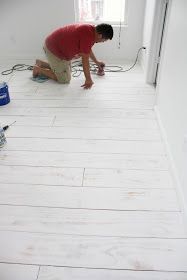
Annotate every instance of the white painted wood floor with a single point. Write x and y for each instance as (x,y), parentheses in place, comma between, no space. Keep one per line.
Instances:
(85,186)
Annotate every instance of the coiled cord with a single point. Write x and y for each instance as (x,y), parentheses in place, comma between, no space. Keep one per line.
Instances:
(17,67)
(77,67)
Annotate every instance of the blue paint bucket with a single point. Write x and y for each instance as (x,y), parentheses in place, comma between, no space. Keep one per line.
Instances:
(4,94)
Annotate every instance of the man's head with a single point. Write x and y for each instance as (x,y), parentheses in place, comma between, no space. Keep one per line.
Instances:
(104,32)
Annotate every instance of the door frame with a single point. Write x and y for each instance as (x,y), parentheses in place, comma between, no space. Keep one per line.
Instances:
(157,33)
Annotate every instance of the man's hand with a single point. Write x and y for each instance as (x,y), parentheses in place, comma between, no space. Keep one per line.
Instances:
(100,64)
(88,84)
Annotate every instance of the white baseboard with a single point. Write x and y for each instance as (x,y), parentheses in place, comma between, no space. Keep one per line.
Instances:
(173,168)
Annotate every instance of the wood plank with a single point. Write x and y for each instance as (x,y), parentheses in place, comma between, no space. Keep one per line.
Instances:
(18,272)
(89,198)
(41,175)
(107,92)
(84,133)
(92,222)
(67,94)
(10,109)
(145,102)
(88,160)
(24,83)
(26,121)
(85,146)
(66,273)
(125,80)
(76,121)
(127,178)
(23,94)
(94,252)
(23,80)
(79,121)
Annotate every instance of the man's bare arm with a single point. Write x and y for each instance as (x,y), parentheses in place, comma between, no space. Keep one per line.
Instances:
(86,68)
(92,56)
(100,64)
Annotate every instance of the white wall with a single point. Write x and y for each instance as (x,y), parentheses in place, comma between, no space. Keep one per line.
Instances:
(24,24)
(172,87)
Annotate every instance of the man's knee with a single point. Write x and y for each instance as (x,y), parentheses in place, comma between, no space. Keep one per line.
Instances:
(64,78)
(63,81)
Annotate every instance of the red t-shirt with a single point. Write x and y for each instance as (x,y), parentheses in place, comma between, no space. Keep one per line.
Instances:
(69,41)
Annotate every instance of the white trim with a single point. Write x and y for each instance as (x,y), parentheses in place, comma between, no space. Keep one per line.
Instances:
(126,15)
(76,9)
(153,54)
(173,169)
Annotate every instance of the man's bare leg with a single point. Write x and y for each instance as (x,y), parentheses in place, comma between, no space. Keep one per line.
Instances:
(43,71)
(42,64)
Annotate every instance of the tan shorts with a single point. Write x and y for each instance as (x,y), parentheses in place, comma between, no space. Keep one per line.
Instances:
(61,68)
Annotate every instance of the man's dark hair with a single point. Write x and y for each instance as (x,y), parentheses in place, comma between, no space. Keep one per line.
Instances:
(105,30)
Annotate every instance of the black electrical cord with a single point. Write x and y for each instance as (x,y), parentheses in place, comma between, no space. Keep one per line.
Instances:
(77,67)
(7,126)
(17,67)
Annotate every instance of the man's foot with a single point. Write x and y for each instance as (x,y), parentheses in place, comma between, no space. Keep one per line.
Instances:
(36,71)
(42,64)
(39,71)
(38,62)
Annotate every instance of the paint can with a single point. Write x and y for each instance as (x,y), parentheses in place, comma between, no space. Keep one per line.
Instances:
(4,94)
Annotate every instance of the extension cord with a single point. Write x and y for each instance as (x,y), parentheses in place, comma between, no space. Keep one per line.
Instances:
(76,68)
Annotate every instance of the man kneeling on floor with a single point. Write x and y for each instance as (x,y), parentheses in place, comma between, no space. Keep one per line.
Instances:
(68,42)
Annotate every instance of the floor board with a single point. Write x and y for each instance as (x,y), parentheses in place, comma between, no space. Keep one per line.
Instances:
(85,160)
(94,251)
(85,146)
(18,272)
(86,189)
(50,273)
(92,222)
(90,197)
(94,133)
